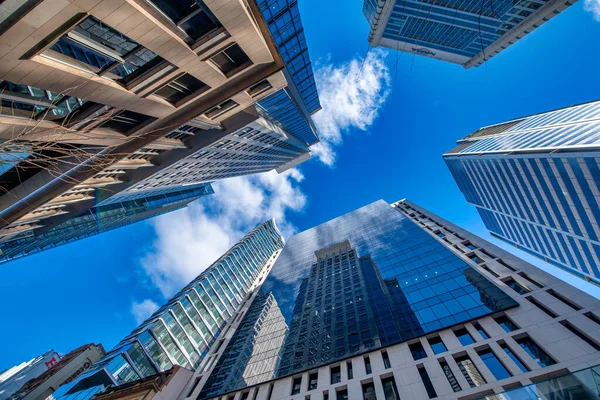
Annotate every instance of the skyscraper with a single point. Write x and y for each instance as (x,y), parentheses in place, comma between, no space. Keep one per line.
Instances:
(461,32)
(183,330)
(393,302)
(535,182)
(136,100)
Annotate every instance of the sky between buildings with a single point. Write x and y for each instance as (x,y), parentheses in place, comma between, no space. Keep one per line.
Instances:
(387,119)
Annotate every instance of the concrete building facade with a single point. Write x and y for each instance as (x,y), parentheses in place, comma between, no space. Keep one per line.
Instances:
(535,182)
(103,97)
(460,319)
(459,31)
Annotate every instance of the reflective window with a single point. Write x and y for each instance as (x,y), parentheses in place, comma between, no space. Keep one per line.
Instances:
(464,337)
(231,60)
(516,286)
(368,390)
(336,375)
(450,376)
(506,323)
(368,368)
(104,50)
(536,352)
(313,380)
(386,359)
(390,390)
(121,370)
(191,16)
(515,358)
(296,385)
(341,394)
(181,88)
(470,371)
(437,345)
(494,365)
(140,360)
(481,331)
(161,333)
(417,351)
(156,352)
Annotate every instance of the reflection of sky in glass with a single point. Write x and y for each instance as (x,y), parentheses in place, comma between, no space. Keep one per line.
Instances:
(402,273)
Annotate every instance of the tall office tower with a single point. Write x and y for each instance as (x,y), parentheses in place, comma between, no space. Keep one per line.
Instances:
(106,101)
(393,302)
(183,330)
(535,182)
(461,32)
(104,217)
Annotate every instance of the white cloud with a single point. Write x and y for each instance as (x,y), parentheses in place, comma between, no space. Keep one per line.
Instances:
(351,95)
(593,6)
(142,310)
(190,240)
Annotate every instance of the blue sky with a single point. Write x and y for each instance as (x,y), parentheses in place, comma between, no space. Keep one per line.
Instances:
(86,291)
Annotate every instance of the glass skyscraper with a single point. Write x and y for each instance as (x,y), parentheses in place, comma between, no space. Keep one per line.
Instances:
(459,31)
(536,184)
(368,279)
(182,331)
(120,211)
(392,302)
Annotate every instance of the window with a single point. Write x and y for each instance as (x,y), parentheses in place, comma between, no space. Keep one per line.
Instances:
(390,391)
(437,345)
(296,385)
(350,371)
(492,272)
(336,375)
(231,60)
(536,352)
(313,380)
(450,376)
(476,259)
(191,16)
(124,121)
(481,331)
(494,365)
(386,360)
(368,365)
(539,305)
(417,351)
(515,358)
(470,246)
(31,102)
(530,280)
(326,395)
(181,88)
(516,286)
(506,323)
(563,299)
(101,49)
(593,317)
(368,390)
(470,371)
(464,337)
(221,108)
(580,334)
(245,396)
(259,88)
(506,265)
(427,382)
(342,394)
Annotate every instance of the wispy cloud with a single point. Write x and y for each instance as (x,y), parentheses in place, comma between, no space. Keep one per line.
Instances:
(351,95)
(142,310)
(593,6)
(190,240)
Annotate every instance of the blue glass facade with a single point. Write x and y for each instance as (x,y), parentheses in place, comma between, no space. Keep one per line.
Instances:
(182,331)
(528,194)
(285,24)
(368,279)
(442,29)
(103,218)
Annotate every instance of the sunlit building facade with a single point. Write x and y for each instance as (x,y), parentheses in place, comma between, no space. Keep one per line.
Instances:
(535,182)
(134,98)
(392,302)
(183,330)
(459,31)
